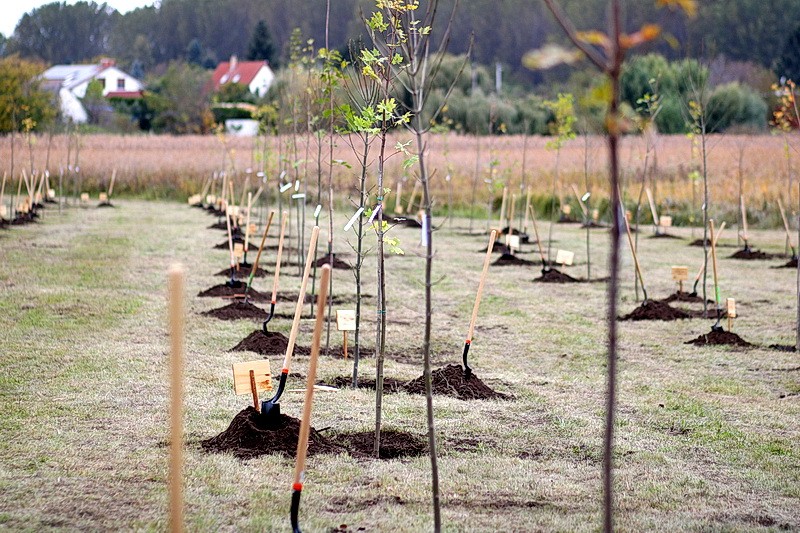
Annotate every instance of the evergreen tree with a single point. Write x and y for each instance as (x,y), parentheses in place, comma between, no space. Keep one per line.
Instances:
(789,62)
(261,46)
(194,52)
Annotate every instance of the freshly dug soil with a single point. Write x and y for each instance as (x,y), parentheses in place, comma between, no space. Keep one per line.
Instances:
(242,272)
(555,276)
(249,435)
(394,443)
(106,204)
(514,231)
(389,384)
(223,290)
(564,219)
(273,343)
(683,297)
(219,225)
(666,236)
(783,348)
(593,224)
(719,337)
(238,310)
(338,299)
(656,310)
(699,242)
(337,263)
(750,255)
(792,263)
(508,259)
(450,381)
(224,245)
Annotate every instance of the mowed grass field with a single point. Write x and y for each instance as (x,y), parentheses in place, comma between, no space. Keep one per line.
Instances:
(707,438)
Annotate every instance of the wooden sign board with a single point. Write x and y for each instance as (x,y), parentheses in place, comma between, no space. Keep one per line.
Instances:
(345,320)
(665,221)
(84,197)
(564,257)
(103,197)
(238,249)
(731,307)
(680,273)
(566,209)
(241,376)
(512,241)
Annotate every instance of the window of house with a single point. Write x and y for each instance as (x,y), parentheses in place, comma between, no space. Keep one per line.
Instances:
(120,84)
(102,82)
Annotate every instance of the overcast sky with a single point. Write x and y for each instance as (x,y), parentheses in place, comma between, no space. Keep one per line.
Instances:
(12,10)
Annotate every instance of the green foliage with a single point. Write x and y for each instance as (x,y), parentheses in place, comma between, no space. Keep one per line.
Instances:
(261,46)
(562,128)
(21,98)
(736,105)
(178,101)
(234,92)
(789,61)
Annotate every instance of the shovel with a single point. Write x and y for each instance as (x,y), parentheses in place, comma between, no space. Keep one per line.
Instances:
(305,423)
(271,408)
(468,343)
(284,220)
(703,266)
(254,267)
(545,268)
(635,258)
(716,326)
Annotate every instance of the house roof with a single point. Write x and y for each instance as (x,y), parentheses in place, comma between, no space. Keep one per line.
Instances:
(243,72)
(72,75)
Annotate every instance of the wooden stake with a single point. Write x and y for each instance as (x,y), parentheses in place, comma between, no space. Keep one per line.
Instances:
(3,188)
(398,205)
(284,220)
(527,207)
(486,260)
(635,257)
(536,234)
(176,326)
(656,220)
(254,390)
(247,222)
(744,220)
(582,205)
(301,297)
(714,262)
(503,208)
(344,343)
(511,214)
(111,185)
(254,268)
(305,423)
(413,195)
(708,252)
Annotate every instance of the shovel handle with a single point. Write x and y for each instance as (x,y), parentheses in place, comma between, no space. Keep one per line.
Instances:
(486,261)
(536,233)
(298,310)
(177,319)
(254,268)
(305,423)
(635,257)
(284,220)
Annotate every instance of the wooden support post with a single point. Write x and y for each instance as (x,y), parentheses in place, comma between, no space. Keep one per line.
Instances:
(254,390)
(344,343)
(176,322)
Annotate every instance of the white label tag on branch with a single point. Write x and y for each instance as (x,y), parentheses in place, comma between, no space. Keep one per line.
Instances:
(286,187)
(353,219)
(317,211)
(297,185)
(374,214)
(513,242)
(298,196)
(424,237)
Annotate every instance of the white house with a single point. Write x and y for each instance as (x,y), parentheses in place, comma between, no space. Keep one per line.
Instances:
(255,75)
(71,82)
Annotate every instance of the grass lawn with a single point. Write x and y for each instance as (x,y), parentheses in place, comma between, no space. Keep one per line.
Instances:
(707,437)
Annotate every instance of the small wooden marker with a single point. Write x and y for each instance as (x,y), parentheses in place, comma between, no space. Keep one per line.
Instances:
(102,197)
(176,335)
(512,241)
(252,377)
(345,321)
(680,274)
(730,304)
(84,197)
(665,221)
(564,258)
(566,209)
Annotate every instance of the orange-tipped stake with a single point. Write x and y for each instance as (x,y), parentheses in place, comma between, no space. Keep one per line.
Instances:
(487,258)
(271,408)
(284,220)
(176,335)
(305,423)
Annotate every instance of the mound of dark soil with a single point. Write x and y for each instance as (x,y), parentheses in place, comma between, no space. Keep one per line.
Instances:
(251,435)
(344,382)
(106,204)
(683,297)
(699,242)
(272,343)
(394,443)
(666,236)
(593,224)
(783,348)
(792,263)
(223,290)
(555,276)
(450,381)
(656,310)
(219,225)
(224,245)
(238,310)
(719,337)
(243,272)
(514,231)
(567,219)
(507,259)
(337,263)
(338,299)
(750,254)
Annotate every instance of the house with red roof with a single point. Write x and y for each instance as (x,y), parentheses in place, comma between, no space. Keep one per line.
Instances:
(255,75)
(71,81)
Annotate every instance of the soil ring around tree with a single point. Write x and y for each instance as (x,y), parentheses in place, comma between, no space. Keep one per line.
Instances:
(699,242)
(105,204)
(450,381)
(655,310)
(509,259)
(250,435)
(337,263)
(683,297)
(783,348)
(343,382)
(792,263)
(551,275)
(720,338)
(219,225)
(224,245)
(395,444)
(595,225)
(665,236)
(238,310)
(272,343)
(337,299)
(224,290)
(243,272)
(751,255)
